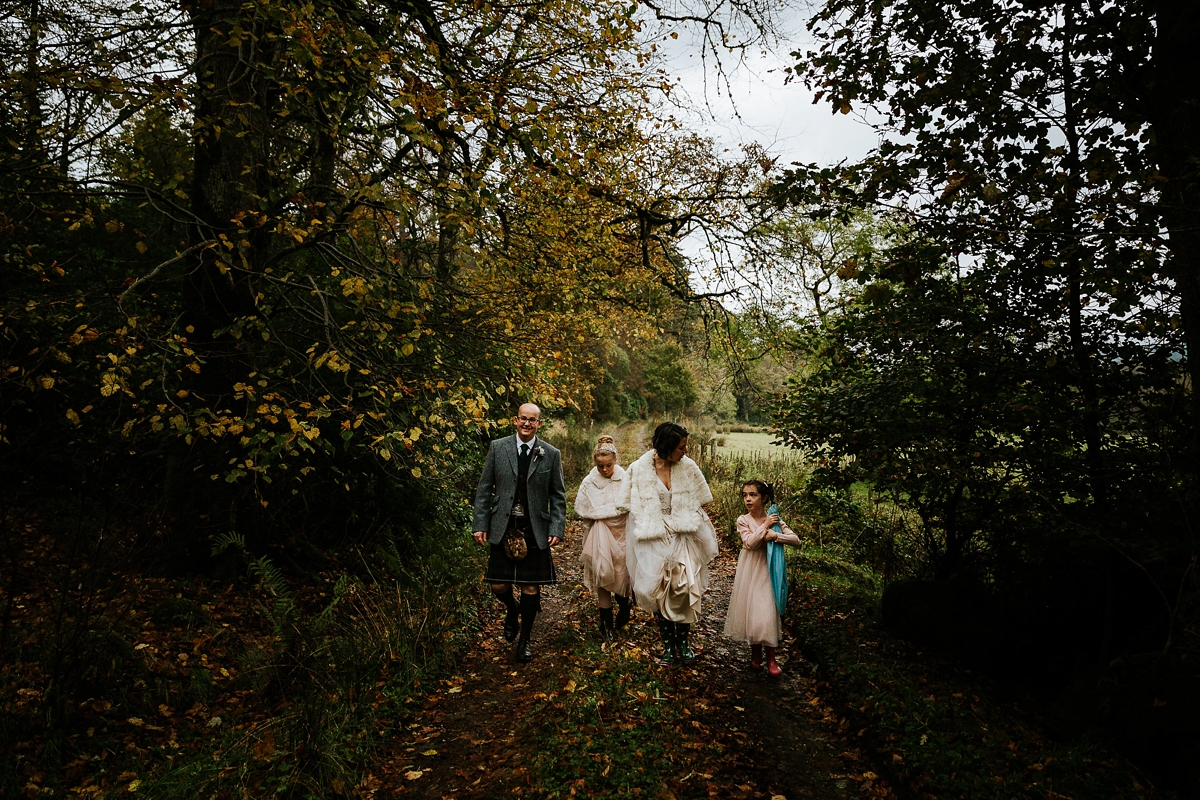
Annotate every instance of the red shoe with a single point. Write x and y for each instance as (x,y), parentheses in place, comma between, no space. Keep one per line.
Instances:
(772,668)
(756,656)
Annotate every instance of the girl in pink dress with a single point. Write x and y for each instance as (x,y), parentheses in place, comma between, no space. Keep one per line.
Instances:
(603,556)
(752,616)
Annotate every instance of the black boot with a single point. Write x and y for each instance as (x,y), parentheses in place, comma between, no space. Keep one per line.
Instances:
(683,650)
(530,605)
(512,622)
(666,630)
(624,606)
(607,631)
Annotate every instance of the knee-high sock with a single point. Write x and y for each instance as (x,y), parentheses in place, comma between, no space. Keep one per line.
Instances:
(505,596)
(531,604)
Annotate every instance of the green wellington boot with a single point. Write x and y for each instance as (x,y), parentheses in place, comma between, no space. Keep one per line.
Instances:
(684,653)
(666,630)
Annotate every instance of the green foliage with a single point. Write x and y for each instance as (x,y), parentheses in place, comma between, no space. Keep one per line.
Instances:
(667,382)
(1013,367)
(928,392)
(611,401)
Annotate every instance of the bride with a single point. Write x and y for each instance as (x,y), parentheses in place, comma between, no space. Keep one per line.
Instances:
(671,540)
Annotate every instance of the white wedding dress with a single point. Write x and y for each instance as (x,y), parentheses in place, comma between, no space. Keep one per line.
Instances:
(670,574)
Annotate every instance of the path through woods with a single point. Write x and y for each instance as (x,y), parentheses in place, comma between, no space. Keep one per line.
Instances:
(729,732)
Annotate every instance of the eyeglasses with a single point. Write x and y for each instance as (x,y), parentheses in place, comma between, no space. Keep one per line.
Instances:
(529,420)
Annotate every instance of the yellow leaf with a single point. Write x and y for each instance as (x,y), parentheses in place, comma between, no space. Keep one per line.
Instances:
(413,774)
(455,689)
(429,753)
(141,247)
(71,415)
(407,349)
(416,472)
(570,687)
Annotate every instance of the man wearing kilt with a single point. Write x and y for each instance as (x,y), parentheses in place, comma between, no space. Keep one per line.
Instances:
(521,510)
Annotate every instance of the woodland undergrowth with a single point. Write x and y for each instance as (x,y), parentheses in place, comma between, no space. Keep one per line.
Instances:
(266,683)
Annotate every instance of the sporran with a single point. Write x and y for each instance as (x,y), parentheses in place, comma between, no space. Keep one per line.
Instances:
(514,544)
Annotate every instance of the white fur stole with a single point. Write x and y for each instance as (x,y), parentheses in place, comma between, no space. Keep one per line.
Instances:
(598,496)
(639,496)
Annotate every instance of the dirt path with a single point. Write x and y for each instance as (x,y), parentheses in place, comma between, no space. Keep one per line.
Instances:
(472,736)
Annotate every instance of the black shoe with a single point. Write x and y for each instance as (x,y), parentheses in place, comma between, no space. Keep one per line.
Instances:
(512,625)
(524,651)
(624,606)
(607,632)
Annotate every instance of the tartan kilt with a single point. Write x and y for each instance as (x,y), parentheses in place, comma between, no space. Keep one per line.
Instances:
(537,568)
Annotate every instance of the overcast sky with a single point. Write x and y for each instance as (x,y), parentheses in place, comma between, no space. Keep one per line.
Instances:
(758,107)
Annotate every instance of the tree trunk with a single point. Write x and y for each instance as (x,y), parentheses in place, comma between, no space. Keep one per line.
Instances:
(228,184)
(1175,116)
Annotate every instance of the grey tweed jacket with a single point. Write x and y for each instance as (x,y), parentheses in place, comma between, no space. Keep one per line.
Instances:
(544,486)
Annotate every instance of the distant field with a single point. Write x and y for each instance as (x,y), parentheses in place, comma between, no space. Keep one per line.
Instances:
(751,444)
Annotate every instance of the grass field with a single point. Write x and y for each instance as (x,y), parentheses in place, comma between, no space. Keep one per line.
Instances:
(751,444)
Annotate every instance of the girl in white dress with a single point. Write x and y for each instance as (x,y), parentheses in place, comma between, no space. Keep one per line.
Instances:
(752,616)
(671,540)
(603,557)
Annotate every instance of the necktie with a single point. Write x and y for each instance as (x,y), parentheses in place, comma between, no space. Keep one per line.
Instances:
(524,451)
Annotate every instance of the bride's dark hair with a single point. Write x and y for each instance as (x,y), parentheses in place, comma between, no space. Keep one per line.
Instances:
(667,437)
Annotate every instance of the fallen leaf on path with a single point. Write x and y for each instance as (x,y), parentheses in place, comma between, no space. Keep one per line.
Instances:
(429,753)
(570,687)
(455,689)
(413,774)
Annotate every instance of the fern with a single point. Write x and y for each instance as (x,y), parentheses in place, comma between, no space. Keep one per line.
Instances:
(227,540)
(270,576)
